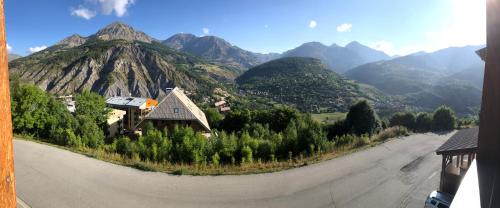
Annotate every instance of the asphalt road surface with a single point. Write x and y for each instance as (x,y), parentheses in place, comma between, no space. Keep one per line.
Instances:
(398,173)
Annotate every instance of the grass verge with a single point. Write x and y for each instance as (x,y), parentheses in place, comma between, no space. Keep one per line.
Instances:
(254,167)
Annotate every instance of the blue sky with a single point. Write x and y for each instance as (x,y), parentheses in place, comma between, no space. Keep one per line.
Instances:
(394,26)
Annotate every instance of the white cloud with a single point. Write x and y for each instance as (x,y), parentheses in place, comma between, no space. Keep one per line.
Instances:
(118,6)
(205,30)
(346,27)
(83,13)
(266,26)
(106,7)
(9,48)
(36,49)
(384,46)
(313,24)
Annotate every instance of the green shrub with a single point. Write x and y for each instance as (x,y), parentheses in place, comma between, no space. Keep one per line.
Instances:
(92,105)
(424,122)
(362,119)
(444,119)
(246,154)
(213,117)
(123,146)
(406,119)
(91,135)
(216,159)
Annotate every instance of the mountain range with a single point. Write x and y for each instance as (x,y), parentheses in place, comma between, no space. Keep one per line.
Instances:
(119,60)
(12,57)
(338,58)
(217,49)
(306,83)
(452,76)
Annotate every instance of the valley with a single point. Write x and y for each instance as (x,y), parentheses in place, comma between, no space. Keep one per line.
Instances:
(133,103)
(118,60)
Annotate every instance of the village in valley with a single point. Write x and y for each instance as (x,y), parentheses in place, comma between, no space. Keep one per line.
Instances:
(128,115)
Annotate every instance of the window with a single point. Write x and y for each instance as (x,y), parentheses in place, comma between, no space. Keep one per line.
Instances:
(176,110)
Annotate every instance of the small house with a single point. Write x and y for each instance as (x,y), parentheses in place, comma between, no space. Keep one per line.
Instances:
(69,101)
(136,108)
(222,106)
(115,123)
(177,109)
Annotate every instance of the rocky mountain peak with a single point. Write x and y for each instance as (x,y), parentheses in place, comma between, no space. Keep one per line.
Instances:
(73,41)
(120,30)
(219,42)
(355,44)
(313,44)
(178,41)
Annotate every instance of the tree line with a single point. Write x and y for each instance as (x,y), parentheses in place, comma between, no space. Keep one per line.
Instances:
(36,113)
(442,119)
(241,136)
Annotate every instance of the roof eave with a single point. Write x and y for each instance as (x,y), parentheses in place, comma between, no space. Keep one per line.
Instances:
(471,149)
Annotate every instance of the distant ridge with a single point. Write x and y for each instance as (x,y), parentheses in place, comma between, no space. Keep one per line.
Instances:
(451,76)
(216,49)
(339,59)
(12,57)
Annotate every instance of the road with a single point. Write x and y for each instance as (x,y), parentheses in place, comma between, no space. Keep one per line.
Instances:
(398,173)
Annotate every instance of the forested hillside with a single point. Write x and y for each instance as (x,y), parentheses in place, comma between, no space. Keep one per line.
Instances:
(307,84)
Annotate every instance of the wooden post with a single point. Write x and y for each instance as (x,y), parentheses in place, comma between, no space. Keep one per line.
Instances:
(488,153)
(443,167)
(7,179)
(461,160)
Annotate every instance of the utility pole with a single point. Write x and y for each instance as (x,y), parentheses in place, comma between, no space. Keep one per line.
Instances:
(7,179)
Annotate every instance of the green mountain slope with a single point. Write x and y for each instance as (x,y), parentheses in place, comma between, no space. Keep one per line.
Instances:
(451,76)
(449,60)
(464,99)
(393,78)
(305,83)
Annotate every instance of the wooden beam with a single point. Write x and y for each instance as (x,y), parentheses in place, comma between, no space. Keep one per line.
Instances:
(7,178)
(488,153)
(443,167)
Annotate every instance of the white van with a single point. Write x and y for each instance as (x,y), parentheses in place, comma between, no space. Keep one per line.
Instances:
(438,199)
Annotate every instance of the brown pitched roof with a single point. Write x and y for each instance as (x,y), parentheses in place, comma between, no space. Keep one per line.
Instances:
(177,106)
(465,139)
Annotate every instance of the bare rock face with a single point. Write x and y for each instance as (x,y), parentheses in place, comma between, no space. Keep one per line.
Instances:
(122,31)
(178,41)
(116,67)
(216,49)
(72,41)
(118,60)
(114,31)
